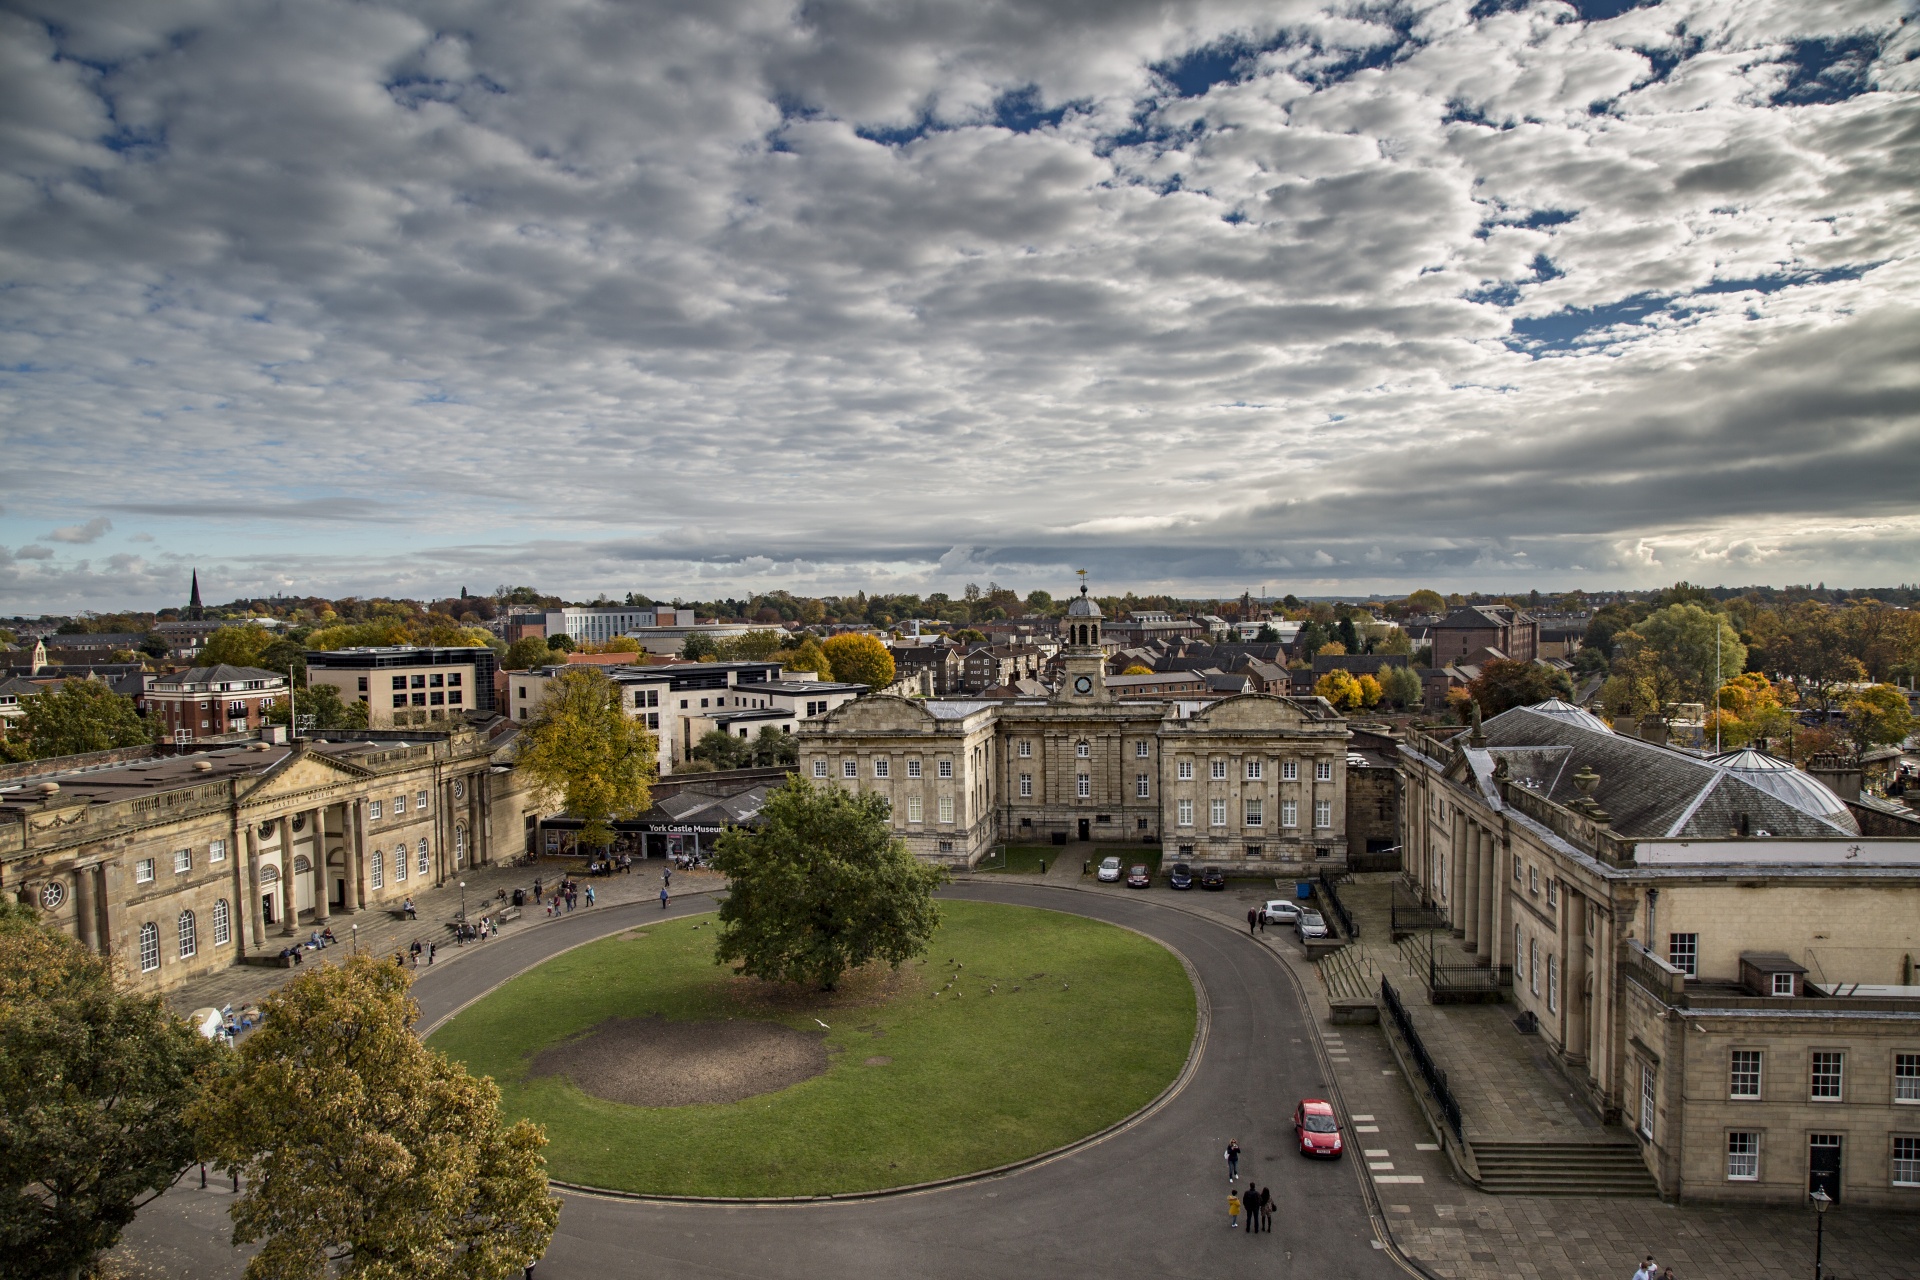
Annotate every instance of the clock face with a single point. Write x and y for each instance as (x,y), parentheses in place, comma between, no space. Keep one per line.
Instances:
(1084,684)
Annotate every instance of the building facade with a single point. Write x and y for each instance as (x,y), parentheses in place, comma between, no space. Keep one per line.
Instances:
(404,687)
(180,864)
(209,701)
(1476,628)
(1713,955)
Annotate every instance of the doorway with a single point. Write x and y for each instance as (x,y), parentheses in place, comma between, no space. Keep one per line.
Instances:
(1823,1164)
(1086,829)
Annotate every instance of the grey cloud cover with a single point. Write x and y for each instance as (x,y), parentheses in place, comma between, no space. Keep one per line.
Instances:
(395,297)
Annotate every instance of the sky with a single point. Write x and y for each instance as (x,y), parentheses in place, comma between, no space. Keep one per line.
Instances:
(721,296)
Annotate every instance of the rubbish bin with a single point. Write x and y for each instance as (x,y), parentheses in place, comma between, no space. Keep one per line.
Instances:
(1303,890)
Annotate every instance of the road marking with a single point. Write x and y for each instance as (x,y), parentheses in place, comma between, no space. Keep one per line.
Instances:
(1426,1146)
(1360,1117)
(1377,1244)
(1366,1128)
(1375,1153)
(1389,1072)
(1399,1177)
(1380,1166)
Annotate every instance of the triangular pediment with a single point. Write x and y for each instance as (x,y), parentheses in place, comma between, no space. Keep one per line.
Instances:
(301,774)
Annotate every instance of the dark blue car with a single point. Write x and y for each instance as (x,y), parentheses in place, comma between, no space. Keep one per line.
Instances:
(1181,877)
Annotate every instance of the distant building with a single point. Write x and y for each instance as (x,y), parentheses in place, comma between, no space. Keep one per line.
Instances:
(404,686)
(209,701)
(1475,629)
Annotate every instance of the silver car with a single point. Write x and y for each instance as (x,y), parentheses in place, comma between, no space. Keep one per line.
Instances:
(1109,870)
(1310,925)
(1281,911)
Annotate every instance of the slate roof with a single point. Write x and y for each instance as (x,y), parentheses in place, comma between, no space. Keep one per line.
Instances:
(221,673)
(1477,617)
(1648,791)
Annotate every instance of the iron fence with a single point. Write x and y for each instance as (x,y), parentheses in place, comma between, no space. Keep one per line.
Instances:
(1331,896)
(1430,1071)
(1412,917)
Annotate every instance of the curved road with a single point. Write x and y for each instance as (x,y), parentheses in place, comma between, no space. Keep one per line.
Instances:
(1149,1201)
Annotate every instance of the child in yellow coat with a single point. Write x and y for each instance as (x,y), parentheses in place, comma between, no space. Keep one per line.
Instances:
(1233,1209)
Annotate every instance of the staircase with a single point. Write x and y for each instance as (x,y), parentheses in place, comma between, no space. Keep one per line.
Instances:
(1563,1169)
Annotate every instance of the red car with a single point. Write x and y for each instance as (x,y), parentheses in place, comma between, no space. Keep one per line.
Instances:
(1138,878)
(1316,1129)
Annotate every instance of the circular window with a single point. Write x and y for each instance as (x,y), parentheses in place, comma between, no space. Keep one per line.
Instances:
(459,788)
(52,894)
(299,822)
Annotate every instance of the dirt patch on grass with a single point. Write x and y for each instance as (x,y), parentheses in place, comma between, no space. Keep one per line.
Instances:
(862,988)
(651,1062)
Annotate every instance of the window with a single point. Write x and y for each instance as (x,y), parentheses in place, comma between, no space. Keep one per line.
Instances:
(379,870)
(1026,786)
(1083,786)
(1289,813)
(1025,750)
(453,680)
(1322,814)
(1218,770)
(915,810)
(946,808)
(1647,1077)
(189,932)
(1185,812)
(420,802)
(849,768)
(913,768)
(1256,814)
(400,864)
(1219,813)
(1743,1156)
(946,769)
(149,947)
(217,851)
(1519,958)
(459,838)
(1743,1074)
(373,811)
(1323,771)
(1185,770)
(237,708)
(1140,787)
(399,805)
(420,682)
(1289,771)
(1516,870)
(399,682)
(1255,770)
(400,699)
(946,846)
(882,768)
(439,680)
(1254,851)
(1906,1162)
(653,719)
(363,684)
(1082,749)
(1683,953)
(521,693)
(1533,880)
(1827,1072)
(143,871)
(1140,750)
(222,923)
(1553,984)
(1783,984)
(1906,1077)
(1533,964)
(819,768)
(1553,892)
(182,860)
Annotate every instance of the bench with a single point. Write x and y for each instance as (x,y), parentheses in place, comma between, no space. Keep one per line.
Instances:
(510,913)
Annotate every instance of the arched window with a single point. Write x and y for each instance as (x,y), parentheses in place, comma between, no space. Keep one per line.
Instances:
(379,869)
(149,947)
(422,852)
(222,923)
(300,865)
(269,874)
(400,865)
(459,846)
(189,935)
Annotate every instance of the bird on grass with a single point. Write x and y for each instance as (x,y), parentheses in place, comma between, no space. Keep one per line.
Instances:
(823,1025)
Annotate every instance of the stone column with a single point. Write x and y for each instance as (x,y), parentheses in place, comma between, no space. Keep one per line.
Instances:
(107,875)
(256,918)
(356,818)
(1468,912)
(86,910)
(316,819)
(289,887)
(1489,896)
(1573,934)
(1457,876)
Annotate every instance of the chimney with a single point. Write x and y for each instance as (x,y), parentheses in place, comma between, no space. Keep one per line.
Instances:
(1840,772)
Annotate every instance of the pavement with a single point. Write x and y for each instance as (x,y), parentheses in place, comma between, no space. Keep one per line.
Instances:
(1150,1200)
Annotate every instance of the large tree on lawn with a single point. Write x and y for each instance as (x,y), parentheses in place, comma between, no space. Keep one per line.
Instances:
(821,887)
(584,750)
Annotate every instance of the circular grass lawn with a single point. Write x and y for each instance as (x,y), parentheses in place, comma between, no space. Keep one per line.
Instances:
(923,1080)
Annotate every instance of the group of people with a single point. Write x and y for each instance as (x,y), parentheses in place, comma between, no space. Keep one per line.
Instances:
(417,950)
(565,897)
(1255,1202)
(1651,1270)
(610,865)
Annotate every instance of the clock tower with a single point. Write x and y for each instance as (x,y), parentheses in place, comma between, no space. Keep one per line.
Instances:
(1082,656)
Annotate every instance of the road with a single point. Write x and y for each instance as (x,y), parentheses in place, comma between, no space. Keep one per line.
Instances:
(1148,1201)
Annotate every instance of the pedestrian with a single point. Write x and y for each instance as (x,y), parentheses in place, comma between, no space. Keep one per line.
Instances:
(666,877)
(432,947)
(1266,1210)
(536,887)
(1263,922)
(1253,918)
(1252,1203)
(413,953)
(1233,1209)
(664,898)
(1233,1161)
(589,895)
(1649,1270)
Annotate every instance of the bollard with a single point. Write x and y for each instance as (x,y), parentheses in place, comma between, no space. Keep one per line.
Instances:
(236,1182)
(1043,866)
(1086,865)
(203,1176)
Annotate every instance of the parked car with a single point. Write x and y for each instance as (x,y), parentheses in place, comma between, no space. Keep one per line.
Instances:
(1109,872)
(1281,911)
(1137,877)
(1310,924)
(1316,1129)
(1213,878)
(1181,877)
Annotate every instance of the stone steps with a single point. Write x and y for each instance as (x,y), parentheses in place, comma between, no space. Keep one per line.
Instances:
(1563,1169)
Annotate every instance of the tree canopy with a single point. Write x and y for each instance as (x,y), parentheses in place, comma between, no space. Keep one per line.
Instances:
(322,702)
(770,748)
(1506,683)
(243,646)
(93,1085)
(80,715)
(1401,687)
(822,887)
(806,657)
(582,749)
(1680,640)
(364,1152)
(526,653)
(1877,716)
(859,659)
(1339,688)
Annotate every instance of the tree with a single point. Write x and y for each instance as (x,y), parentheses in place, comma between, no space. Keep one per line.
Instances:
(1267,634)
(1339,688)
(527,653)
(1681,639)
(1749,710)
(1349,637)
(1506,683)
(1331,649)
(93,1083)
(366,1153)
(583,749)
(562,643)
(1424,601)
(1370,691)
(1401,687)
(700,648)
(807,657)
(1877,716)
(774,748)
(1810,649)
(1039,601)
(322,702)
(618,644)
(1137,670)
(821,887)
(237,646)
(721,750)
(81,715)
(757,645)
(859,659)
(967,635)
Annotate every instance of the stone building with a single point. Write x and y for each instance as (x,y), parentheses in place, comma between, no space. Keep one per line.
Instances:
(1712,953)
(179,864)
(1253,783)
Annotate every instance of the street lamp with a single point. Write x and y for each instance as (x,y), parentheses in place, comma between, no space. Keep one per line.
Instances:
(356,939)
(1821,1203)
(463,902)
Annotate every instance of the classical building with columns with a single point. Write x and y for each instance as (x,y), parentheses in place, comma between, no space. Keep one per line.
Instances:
(182,863)
(1714,956)
(1251,783)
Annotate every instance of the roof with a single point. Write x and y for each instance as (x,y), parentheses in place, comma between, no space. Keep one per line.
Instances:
(1082,606)
(1779,778)
(1476,617)
(221,673)
(1567,712)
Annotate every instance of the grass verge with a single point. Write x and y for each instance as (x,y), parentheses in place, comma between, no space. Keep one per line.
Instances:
(1100,1022)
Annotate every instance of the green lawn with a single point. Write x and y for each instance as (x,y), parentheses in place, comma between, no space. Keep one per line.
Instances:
(973,1082)
(1023,860)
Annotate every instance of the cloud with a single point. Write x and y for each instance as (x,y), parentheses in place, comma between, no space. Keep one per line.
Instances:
(658,297)
(31,552)
(92,531)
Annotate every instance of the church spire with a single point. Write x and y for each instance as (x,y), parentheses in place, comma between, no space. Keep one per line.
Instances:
(194,610)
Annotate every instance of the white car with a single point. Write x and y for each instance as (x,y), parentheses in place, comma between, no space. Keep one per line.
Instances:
(1109,870)
(1281,911)
(1310,924)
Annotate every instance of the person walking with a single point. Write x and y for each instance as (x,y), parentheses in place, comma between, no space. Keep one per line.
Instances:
(589,895)
(1253,918)
(665,898)
(1649,1270)
(1263,921)
(414,952)
(1266,1209)
(1251,1201)
(432,949)
(1233,1209)
(1233,1161)
(536,888)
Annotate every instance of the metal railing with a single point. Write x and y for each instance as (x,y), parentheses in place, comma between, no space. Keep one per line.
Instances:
(1430,1071)
(1460,979)
(1409,917)
(1331,896)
